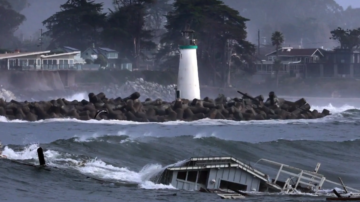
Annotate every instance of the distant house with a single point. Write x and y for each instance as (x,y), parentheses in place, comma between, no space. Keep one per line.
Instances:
(344,63)
(126,64)
(313,63)
(94,53)
(42,60)
(77,58)
(294,61)
(59,61)
(304,56)
(18,60)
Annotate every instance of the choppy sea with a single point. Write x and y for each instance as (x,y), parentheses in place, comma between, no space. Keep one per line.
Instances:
(121,157)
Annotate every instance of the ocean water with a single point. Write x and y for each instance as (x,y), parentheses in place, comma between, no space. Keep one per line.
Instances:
(121,156)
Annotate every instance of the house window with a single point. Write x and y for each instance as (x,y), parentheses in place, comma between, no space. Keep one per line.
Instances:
(315,58)
(45,62)
(12,63)
(23,63)
(38,62)
(232,186)
(181,175)
(203,176)
(192,175)
(112,55)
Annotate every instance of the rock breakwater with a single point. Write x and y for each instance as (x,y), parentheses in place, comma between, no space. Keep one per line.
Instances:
(130,108)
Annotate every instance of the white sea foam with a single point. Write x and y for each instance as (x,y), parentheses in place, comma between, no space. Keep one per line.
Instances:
(204,135)
(95,167)
(29,152)
(100,169)
(333,109)
(78,97)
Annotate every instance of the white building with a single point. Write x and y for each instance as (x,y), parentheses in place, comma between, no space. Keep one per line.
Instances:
(42,60)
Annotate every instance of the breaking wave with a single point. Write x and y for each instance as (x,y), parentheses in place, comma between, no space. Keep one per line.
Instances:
(91,167)
(109,159)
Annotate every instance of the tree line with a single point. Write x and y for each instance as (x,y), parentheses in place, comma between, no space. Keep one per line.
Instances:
(151,29)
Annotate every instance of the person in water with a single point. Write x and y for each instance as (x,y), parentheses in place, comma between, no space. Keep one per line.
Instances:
(1,155)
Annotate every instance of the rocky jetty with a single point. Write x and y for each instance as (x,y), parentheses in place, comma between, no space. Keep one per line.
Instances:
(130,108)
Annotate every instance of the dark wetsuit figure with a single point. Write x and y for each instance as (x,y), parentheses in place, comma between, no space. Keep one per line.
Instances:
(272,100)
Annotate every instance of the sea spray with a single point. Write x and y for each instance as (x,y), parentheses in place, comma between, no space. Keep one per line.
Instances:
(78,96)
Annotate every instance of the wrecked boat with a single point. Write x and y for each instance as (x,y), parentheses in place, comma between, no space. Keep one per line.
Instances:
(227,175)
(211,174)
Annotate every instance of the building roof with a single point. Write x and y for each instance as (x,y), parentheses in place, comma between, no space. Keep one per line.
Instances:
(68,48)
(17,55)
(107,49)
(217,162)
(60,54)
(289,52)
(267,62)
(92,50)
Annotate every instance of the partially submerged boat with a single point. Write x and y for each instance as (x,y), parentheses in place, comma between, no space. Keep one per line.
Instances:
(222,174)
(345,197)
(300,180)
(228,176)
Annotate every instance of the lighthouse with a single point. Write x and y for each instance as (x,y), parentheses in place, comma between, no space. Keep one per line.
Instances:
(188,86)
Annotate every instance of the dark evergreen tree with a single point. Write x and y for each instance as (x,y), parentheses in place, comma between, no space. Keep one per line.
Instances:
(156,16)
(78,23)
(9,22)
(348,39)
(125,30)
(101,60)
(221,34)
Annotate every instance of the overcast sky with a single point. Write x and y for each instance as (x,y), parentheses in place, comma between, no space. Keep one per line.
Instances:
(346,3)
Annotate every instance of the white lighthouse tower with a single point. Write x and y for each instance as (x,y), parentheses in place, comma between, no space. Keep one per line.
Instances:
(188,86)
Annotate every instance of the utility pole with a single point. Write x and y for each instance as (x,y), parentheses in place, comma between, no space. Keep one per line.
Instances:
(41,40)
(229,54)
(258,43)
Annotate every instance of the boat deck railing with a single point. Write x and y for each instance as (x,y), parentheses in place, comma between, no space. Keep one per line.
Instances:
(311,179)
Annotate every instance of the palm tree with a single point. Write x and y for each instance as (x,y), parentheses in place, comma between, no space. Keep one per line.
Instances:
(277,39)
